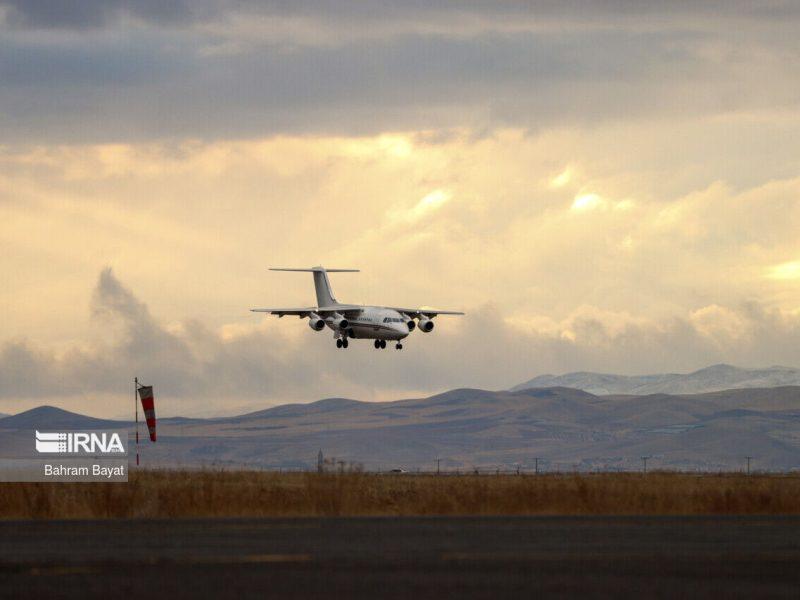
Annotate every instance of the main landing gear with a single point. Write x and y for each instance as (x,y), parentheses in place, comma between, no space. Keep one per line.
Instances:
(341,343)
(379,344)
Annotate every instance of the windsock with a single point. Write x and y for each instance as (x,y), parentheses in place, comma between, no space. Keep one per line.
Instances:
(149,407)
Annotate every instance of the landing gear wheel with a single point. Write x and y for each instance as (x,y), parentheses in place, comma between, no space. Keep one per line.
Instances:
(338,343)
(344,343)
(377,344)
(399,346)
(383,343)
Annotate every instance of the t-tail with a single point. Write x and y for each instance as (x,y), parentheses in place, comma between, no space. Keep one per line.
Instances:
(322,285)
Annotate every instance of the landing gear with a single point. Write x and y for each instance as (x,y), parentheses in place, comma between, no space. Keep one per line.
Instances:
(380,344)
(338,343)
(399,346)
(341,343)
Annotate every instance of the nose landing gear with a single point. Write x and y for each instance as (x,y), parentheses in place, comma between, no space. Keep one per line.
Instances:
(399,346)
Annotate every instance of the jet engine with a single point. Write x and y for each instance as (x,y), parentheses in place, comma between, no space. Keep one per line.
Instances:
(409,321)
(425,324)
(337,321)
(315,322)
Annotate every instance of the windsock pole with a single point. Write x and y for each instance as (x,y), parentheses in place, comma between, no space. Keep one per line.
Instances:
(136,409)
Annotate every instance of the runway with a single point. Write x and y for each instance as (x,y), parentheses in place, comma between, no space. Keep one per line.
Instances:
(488,557)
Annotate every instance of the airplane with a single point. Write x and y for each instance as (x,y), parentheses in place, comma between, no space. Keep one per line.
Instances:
(353,321)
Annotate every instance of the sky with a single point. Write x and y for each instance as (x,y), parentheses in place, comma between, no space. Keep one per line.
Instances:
(609,186)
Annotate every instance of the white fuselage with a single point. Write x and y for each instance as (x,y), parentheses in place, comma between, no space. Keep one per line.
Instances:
(373,322)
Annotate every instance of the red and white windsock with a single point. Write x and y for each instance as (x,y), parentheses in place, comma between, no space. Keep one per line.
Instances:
(149,407)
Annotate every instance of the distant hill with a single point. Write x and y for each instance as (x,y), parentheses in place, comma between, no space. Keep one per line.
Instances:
(296,410)
(710,379)
(563,428)
(50,417)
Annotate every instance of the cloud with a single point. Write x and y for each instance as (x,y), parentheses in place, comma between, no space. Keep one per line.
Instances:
(584,202)
(604,186)
(194,224)
(428,204)
(278,68)
(190,362)
(92,14)
(410,16)
(198,370)
(676,281)
(788,270)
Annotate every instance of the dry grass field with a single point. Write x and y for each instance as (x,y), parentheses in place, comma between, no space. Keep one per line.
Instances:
(153,494)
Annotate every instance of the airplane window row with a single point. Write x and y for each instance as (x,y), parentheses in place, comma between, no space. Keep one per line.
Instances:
(393,320)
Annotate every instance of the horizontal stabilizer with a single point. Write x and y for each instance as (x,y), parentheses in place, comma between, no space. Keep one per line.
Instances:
(325,295)
(315,269)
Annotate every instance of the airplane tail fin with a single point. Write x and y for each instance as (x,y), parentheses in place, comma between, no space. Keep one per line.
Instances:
(322,285)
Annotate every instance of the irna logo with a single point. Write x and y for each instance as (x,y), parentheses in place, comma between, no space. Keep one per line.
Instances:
(79,443)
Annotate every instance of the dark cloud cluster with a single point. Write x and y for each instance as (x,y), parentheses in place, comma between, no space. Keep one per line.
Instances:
(234,69)
(87,14)
(92,14)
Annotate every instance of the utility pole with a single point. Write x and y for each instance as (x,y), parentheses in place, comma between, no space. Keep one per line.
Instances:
(136,410)
(536,465)
(437,465)
(644,463)
(748,458)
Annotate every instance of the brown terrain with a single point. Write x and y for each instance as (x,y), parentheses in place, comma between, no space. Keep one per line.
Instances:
(167,493)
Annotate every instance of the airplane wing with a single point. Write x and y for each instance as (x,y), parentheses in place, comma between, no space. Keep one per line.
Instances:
(342,308)
(348,309)
(304,312)
(424,312)
(300,312)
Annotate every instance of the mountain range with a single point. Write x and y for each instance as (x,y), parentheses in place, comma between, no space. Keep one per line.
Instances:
(710,379)
(557,428)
